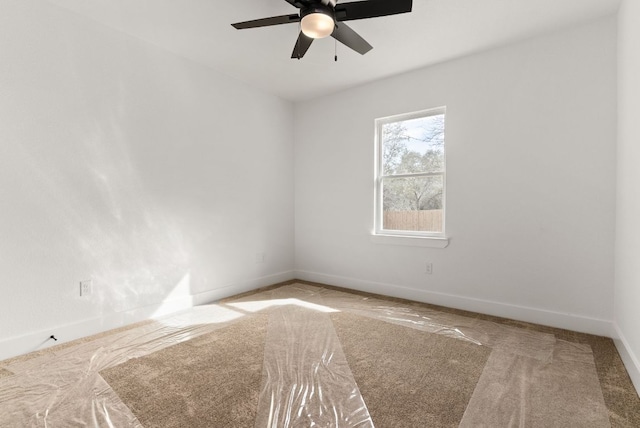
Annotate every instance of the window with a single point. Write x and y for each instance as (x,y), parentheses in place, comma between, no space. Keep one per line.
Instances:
(410,174)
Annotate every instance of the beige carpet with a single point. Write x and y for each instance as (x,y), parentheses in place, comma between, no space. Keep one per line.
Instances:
(214,380)
(399,370)
(300,355)
(5,373)
(210,381)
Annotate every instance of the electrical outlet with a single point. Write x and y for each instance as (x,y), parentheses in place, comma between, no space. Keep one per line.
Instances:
(86,287)
(428,268)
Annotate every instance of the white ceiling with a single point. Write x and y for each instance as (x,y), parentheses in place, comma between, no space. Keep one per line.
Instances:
(436,31)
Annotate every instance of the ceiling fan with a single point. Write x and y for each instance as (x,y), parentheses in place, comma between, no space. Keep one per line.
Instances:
(323,18)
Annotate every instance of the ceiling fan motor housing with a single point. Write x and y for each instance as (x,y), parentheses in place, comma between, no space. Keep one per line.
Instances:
(318,8)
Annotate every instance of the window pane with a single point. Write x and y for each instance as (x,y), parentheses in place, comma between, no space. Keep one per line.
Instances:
(413,146)
(413,203)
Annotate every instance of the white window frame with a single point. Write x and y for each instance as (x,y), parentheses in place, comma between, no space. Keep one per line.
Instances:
(387,236)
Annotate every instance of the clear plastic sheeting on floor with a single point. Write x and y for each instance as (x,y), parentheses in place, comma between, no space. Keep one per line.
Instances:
(519,391)
(63,387)
(303,377)
(307,383)
(514,340)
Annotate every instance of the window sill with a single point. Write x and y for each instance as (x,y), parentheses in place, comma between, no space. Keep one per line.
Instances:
(413,241)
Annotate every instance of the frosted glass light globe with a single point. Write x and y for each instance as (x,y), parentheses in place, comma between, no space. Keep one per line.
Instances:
(317,25)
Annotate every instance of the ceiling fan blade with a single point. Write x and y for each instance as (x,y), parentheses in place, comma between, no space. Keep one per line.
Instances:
(302,46)
(371,9)
(297,3)
(266,22)
(345,35)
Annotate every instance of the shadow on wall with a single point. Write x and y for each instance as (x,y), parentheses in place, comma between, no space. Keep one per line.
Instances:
(138,253)
(81,212)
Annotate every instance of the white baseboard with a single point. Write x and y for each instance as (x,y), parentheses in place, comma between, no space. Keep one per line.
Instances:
(567,321)
(39,340)
(629,358)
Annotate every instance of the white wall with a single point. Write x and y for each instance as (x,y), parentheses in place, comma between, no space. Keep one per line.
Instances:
(531,134)
(158,178)
(627,289)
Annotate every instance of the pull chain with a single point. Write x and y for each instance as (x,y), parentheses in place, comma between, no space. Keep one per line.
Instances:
(336,50)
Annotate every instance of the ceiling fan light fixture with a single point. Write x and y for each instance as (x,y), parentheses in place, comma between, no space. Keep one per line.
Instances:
(323,18)
(317,25)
